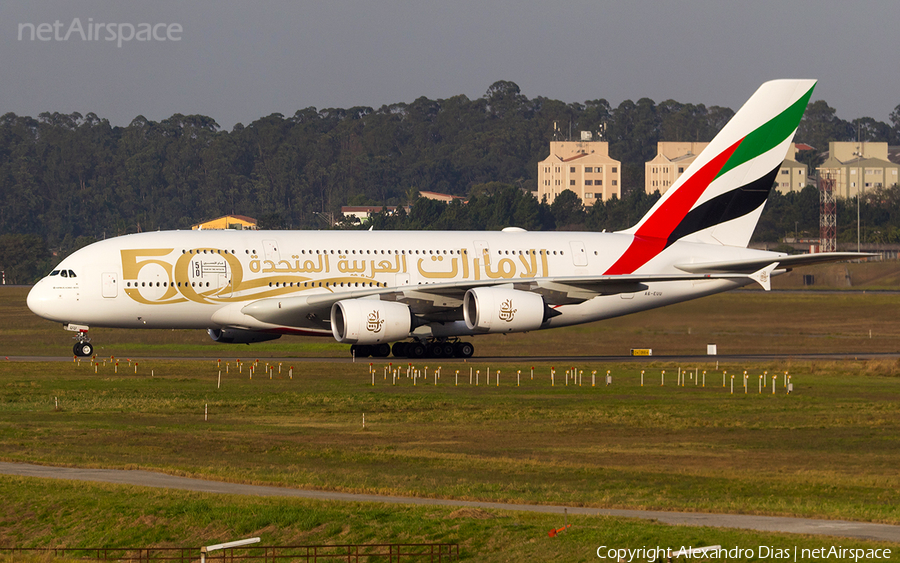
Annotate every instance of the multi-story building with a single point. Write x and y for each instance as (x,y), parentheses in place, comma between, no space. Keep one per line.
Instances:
(670,162)
(584,167)
(858,167)
(673,158)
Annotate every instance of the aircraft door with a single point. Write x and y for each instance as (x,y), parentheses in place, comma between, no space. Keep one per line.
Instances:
(270,250)
(483,255)
(210,274)
(109,285)
(579,254)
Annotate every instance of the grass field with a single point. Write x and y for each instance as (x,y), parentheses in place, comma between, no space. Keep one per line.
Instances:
(829,450)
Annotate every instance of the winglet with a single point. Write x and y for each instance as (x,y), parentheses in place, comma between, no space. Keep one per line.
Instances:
(764,276)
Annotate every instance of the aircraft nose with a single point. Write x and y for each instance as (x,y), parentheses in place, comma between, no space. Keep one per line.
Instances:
(39,300)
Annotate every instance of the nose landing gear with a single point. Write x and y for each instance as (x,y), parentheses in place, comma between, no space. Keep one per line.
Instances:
(83,347)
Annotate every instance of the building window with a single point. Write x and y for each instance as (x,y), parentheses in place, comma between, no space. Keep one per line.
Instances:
(588,195)
(614,183)
(572,169)
(599,170)
(571,182)
(599,182)
(681,169)
(785,172)
(615,170)
(588,183)
(588,169)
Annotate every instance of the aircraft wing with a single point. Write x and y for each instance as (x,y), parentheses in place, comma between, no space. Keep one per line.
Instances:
(443,301)
(784,261)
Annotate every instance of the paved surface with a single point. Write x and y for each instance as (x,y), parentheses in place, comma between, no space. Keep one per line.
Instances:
(839,528)
(483,359)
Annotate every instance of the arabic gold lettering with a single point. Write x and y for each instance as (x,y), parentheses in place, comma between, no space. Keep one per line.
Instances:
(254,265)
(442,275)
(506,269)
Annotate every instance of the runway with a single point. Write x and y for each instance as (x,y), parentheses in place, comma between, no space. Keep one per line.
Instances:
(839,528)
(841,356)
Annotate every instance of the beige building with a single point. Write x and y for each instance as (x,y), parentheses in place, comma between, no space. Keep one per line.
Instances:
(670,162)
(856,167)
(584,167)
(238,222)
(673,158)
(792,177)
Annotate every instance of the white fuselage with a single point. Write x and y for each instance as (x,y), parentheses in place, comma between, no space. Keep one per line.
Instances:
(201,279)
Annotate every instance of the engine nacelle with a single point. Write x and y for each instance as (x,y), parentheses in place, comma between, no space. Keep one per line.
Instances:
(367,321)
(237,336)
(494,309)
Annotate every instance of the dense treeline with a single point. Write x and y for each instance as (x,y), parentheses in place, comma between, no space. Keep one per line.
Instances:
(72,178)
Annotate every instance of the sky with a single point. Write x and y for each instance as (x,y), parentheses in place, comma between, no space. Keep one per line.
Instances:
(238,61)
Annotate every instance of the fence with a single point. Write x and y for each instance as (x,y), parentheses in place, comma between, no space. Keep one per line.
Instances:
(362,553)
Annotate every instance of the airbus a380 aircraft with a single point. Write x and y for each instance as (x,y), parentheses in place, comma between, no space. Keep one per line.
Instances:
(372,289)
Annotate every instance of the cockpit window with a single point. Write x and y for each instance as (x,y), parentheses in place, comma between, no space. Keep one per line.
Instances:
(64,274)
(54,273)
(71,274)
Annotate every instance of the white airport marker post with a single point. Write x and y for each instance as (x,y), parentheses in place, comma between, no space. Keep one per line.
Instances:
(732,385)
(662,380)
(642,378)
(239,543)
(518,378)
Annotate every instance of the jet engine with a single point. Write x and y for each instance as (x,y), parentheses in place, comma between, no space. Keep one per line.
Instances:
(237,336)
(494,309)
(367,321)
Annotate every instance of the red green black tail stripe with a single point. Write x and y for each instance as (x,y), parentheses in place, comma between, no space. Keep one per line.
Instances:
(674,218)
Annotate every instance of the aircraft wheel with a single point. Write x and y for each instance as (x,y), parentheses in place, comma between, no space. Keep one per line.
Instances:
(83,349)
(435,350)
(399,349)
(382,350)
(415,350)
(448,350)
(464,350)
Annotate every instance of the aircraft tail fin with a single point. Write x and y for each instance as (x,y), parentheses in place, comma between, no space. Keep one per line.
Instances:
(720,197)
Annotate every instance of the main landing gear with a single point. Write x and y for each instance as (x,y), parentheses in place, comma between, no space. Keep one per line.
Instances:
(415,349)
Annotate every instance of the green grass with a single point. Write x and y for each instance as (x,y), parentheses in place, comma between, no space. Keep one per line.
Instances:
(829,450)
(89,515)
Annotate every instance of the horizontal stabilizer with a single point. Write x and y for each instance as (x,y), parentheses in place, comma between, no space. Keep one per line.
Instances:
(756,264)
